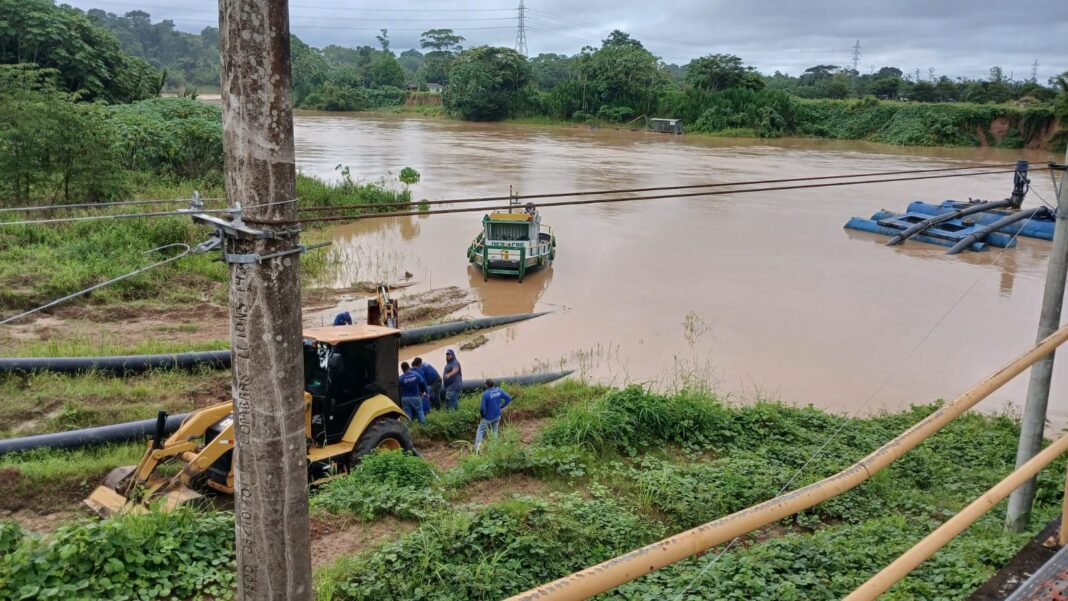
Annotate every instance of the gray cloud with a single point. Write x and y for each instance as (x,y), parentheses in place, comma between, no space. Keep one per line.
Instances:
(955,37)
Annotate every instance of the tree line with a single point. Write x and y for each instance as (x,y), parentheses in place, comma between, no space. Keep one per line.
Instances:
(98,57)
(341,78)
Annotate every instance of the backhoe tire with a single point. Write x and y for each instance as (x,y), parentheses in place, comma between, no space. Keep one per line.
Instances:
(383,433)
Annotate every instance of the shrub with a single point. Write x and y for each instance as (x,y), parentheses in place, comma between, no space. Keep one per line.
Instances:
(177,555)
(384,483)
(492,553)
(179,136)
(632,419)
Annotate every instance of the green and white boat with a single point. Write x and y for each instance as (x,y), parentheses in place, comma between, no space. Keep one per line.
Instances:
(512,244)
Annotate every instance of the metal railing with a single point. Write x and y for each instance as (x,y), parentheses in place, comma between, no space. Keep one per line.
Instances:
(614,572)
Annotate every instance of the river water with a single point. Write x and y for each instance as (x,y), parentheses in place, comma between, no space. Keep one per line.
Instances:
(761,295)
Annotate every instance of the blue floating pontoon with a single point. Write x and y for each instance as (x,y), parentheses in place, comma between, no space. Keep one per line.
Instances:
(1038,227)
(947,234)
(972,225)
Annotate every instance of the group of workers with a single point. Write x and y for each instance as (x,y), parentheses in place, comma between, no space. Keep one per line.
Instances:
(422,389)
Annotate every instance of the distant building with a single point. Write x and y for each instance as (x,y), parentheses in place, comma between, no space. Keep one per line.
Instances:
(434,87)
(666,126)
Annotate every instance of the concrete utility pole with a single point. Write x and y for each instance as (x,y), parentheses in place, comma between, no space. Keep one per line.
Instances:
(1034,417)
(270,463)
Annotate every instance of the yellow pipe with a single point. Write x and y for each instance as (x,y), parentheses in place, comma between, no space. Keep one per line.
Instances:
(1063,538)
(923,550)
(639,562)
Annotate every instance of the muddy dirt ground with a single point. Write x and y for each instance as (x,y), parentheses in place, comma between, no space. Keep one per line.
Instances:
(117,326)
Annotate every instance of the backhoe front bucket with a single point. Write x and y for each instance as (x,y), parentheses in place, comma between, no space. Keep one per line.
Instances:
(106,500)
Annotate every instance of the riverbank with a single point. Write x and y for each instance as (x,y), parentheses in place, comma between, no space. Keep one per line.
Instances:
(1009,125)
(581,474)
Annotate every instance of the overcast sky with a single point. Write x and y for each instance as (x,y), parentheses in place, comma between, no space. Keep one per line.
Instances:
(955,37)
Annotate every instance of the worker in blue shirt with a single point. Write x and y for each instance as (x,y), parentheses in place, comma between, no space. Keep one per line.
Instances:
(412,388)
(433,383)
(454,381)
(493,401)
(343,319)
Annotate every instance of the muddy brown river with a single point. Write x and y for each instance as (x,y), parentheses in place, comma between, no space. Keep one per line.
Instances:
(761,295)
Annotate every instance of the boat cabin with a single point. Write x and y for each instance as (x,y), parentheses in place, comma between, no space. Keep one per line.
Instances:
(512,243)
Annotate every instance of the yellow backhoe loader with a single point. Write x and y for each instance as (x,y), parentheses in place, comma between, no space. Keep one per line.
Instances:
(350,409)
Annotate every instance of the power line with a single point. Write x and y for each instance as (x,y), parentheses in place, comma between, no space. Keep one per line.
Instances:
(629,199)
(660,188)
(190,211)
(143,7)
(95,205)
(189,250)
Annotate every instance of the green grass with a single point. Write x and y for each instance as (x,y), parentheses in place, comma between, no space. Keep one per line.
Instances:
(45,480)
(40,263)
(105,344)
(178,555)
(638,466)
(425,110)
(46,402)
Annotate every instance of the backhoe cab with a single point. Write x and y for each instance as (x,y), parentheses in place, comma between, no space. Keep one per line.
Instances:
(350,409)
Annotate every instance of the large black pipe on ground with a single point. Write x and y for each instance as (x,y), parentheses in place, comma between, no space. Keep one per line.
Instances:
(144,429)
(981,233)
(135,364)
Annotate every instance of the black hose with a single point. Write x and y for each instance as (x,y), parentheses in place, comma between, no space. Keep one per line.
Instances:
(454,328)
(144,429)
(118,365)
(980,233)
(135,364)
(926,223)
(87,437)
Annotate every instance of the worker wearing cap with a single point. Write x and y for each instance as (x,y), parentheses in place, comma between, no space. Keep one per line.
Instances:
(454,381)
(433,384)
(412,388)
(493,401)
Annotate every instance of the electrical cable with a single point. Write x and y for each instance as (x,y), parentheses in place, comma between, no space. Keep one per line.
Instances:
(177,212)
(653,189)
(189,250)
(330,218)
(96,205)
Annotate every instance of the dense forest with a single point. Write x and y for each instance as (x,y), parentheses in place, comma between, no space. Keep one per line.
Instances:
(99,76)
(621,81)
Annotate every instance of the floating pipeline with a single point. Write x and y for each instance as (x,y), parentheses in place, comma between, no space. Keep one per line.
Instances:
(940,226)
(872,226)
(1040,227)
(144,429)
(455,328)
(960,232)
(135,364)
(1007,221)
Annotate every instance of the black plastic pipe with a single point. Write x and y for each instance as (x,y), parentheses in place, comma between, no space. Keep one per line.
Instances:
(454,328)
(926,223)
(144,429)
(119,364)
(979,234)
(135,364)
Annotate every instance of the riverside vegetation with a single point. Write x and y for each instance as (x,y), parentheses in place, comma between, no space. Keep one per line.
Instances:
(604,471)
(615,82)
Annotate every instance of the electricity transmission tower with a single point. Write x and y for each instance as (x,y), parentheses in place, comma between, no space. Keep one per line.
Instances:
(856,63)
(1034,71)
(521,30)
